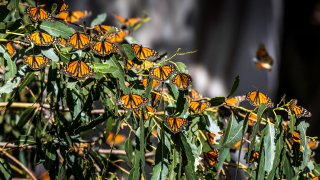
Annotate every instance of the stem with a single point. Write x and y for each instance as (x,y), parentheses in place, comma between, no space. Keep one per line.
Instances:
(20,164)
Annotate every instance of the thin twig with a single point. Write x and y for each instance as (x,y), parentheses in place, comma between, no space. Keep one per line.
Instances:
(20,164)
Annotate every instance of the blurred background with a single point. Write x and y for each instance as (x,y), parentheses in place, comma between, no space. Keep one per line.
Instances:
(226,35)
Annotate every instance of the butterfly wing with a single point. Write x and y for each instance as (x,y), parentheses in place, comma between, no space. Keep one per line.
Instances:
(78,69)
(41,39)
(155,83)
(10,48)
(162,73)
(211,138)
(132,101)
(176,124)
(103,48)
(37,14)
(212,157)
(234,101)
(143,53)
(299,111)
(116,37)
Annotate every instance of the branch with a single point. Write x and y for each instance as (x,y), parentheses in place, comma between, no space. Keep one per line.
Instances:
(20,164)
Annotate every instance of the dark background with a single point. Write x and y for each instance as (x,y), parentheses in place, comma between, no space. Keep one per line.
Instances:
(226,34)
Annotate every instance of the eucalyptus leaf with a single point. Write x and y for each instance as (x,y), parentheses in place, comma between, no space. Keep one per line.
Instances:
(269,146)
(99,19)
(57,29)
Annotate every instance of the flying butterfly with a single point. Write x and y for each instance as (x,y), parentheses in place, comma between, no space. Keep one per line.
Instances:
(263,59)
(132,101)
(298,111)
(176,123)
(162,73)
(234,101)
(62,7)
(79,40)
(129,21)
(256,98)
(37,14)
(143,53)
(115,140)
(103,48)
(10,48)
(155,83)
(73,16)
(198,106)
(117,37)
(212,157)
(41,39)
(78,69)
(149,111)
(182,80)
(36,62)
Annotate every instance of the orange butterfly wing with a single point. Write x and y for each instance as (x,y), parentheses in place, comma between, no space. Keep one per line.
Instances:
(36,62)
(78,69)
(212,157)
(117,37)
(162,73)
(176,124)
(298,110)
(41,39)
(79,40)
(256,98)
(155,83)
(182,80)
(10,48)
(234,101)
(37,14)
(132,101)
(143,53)
(103,48)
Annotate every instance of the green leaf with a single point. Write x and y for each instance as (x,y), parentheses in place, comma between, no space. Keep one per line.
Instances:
(135,171)
(128,148)
(25,117)
(279,148)
(189,167)
(233,132)
(159,171)
(261,166)
(302,127)
(222,157)
(56,28)
(49,53)
(5,169)
(269,146)
(99,19)
(234,86)
(9,86)
(216,101)
(106,67)
(127,49)
(13,4)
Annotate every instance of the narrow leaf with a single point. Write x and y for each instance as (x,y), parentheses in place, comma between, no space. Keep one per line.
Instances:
(99,19)
(269,146)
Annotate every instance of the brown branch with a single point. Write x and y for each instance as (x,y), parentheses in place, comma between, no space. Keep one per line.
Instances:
(20,164)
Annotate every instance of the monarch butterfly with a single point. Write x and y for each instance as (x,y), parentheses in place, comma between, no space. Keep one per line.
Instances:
(132,101)
(72,17)
(78,69)
(37,14)
(61,41)
(10,48)
(80,148)
(256,98)
(212,157)
(263,60)
(296,136)
(143,53)
(198,106)
(155,98)
(36,62)
(211,138)
(236,145)
(313,144)
(252,119)
(41,39)
(115,140)
(128,22)
(194,95)
(149,111)
(117,37)
(234,101)
(298,111)
(254,156)
(103,48)
(144,65)
(176,123)
(182,80)
(155,83)
(103,29)
(162,73)
(79,40)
